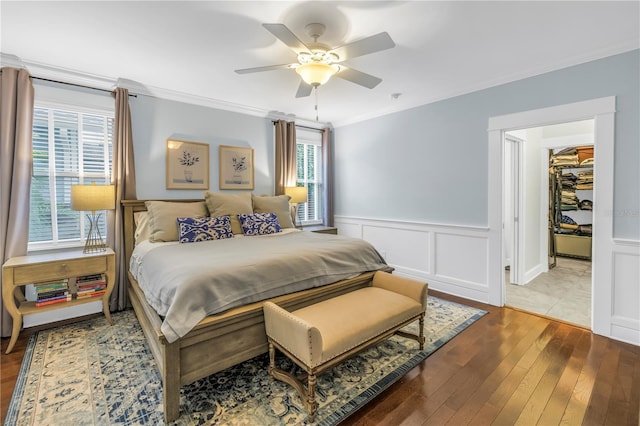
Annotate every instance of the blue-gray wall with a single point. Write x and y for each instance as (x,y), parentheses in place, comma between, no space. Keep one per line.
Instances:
(429,164)
(155,120)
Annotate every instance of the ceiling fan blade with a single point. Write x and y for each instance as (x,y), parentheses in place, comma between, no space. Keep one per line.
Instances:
(285,35)
(375,43)
(304,90)
(260,69)
(358,77)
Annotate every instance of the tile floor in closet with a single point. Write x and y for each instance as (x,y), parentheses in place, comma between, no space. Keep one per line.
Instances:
(564,292)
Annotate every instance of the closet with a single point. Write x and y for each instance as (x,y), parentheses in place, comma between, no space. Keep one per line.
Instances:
(571,201)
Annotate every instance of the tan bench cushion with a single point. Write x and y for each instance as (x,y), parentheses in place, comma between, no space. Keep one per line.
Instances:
(346,321)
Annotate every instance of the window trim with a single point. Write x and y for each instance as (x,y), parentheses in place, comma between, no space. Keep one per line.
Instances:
(82,108)
(308,137)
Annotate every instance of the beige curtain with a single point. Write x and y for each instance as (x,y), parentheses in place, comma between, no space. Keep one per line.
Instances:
(124,179)
(327,177)
(16,125)
(286,173)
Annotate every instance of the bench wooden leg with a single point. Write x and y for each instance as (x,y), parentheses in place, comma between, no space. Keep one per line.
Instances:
(417,337)
(307,396)
(312,405)
(272,359)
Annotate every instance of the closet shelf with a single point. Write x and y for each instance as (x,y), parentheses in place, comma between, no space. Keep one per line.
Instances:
(564,242)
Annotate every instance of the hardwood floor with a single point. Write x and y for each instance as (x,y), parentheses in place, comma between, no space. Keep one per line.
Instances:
(510,367)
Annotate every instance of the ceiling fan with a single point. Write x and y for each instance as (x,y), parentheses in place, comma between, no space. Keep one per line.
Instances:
(317,62)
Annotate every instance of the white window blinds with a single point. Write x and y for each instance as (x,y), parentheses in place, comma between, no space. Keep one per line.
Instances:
(309,170)
(71,145)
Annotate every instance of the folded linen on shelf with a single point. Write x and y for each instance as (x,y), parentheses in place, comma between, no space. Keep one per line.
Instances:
(584,186)
(564,160)
(584,153)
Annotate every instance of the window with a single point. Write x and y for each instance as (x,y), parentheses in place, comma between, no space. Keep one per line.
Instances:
(309,163)
(71,145)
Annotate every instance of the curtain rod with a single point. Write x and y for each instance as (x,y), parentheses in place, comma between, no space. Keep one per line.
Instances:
(79,85)
(301,126)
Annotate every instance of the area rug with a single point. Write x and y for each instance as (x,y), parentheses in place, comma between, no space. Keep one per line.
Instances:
(90,373)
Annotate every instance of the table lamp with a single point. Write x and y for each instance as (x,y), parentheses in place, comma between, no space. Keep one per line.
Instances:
(92,198)
(298,195)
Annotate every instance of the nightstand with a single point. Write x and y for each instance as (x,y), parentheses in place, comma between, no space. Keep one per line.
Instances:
(321,229)
(22,270)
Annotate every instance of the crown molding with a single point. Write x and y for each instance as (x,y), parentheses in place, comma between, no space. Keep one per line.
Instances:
(191,99)
(50,72)
(44,71)
(101,82)
(623,47)
(7,60)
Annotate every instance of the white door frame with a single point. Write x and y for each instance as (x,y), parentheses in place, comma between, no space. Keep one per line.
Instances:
(602,110)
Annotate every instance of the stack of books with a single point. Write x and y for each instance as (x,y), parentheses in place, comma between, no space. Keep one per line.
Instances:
(91,286)
(50,292)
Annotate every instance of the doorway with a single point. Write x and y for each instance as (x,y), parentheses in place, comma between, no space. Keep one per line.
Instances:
(603,110)
(538,277)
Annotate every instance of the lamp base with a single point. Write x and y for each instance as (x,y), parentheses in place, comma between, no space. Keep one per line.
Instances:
(94,243)
(295,216)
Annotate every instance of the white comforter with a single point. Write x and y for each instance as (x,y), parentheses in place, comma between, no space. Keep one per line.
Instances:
(187,282)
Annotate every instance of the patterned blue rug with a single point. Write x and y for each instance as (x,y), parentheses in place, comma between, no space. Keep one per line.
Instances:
(90,373)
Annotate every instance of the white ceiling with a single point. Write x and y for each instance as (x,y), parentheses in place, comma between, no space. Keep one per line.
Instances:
(191,49)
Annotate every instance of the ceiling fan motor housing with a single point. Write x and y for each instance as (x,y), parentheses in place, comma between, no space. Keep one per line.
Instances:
(317,65)
(318,56)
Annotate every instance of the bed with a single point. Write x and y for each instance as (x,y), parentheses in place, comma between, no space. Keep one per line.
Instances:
(230,335)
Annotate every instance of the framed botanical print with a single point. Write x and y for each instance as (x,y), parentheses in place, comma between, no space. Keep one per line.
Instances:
(236,167)
(187,165)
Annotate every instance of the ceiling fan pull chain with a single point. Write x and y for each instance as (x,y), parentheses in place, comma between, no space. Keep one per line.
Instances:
(315,89)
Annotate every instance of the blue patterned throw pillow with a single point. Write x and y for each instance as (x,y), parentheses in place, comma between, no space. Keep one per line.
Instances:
(259,223)
(193,229)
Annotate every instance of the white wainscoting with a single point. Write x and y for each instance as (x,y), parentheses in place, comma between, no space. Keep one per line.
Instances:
(452,259)
(457,259)
(625,291)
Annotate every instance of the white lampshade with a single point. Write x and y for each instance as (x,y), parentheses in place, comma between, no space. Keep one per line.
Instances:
(298,194)
(316,73)
(93,197)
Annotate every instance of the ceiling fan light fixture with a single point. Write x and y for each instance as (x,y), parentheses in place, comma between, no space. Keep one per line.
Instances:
(316,73)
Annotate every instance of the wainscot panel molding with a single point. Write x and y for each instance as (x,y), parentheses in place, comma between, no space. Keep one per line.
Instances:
(455,260)
(625,291)
(452,259)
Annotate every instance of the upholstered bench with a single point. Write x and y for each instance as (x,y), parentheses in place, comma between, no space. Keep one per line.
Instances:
(322,335)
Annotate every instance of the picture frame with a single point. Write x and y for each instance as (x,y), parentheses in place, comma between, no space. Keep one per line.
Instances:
(236,167)
(187,165)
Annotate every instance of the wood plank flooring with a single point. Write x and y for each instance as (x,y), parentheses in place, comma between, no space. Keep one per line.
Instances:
(509,368)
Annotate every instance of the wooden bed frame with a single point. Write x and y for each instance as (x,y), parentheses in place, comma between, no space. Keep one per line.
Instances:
(218,341)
